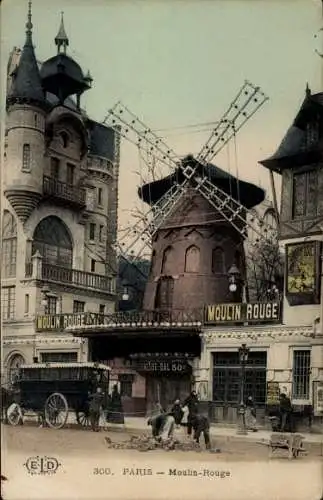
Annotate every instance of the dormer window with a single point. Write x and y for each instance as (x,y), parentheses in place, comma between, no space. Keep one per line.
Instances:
(305,191)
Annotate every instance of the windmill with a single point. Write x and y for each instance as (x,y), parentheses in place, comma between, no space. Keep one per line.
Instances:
(189,173)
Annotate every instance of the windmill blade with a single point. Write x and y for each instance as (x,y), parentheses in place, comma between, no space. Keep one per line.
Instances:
(248,100)
(233,211)
(131,128)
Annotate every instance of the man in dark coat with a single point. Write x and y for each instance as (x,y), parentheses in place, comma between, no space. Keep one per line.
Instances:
(95,407)
(192,404)
(177,412)
(285,411)
(157,424)
(201,425)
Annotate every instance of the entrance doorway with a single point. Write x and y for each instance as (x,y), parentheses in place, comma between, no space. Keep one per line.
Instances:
(227,383)
(165,390)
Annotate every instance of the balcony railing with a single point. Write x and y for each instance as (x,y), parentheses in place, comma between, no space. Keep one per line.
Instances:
(62,191)
(73,277)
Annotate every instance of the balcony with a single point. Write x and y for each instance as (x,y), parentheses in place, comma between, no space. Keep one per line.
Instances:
(40,270)
(64,193)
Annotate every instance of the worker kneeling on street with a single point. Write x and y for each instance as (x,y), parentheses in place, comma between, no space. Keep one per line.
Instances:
(163,426)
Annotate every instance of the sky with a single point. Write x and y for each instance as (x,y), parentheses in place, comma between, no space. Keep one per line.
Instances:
(177,63)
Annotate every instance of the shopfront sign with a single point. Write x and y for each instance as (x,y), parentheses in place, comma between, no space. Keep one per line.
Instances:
(161,365)
(258,312)
(55,322)
(303,272)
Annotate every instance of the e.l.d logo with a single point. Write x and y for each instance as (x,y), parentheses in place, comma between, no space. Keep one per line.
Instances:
(41,465)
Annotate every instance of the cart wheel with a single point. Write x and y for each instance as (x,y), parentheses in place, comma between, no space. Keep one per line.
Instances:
(56,410)
(14,414)
(82,418)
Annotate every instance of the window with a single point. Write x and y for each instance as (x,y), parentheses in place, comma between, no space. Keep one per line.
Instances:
(305,191)
(35,120)
(301,374)
(164,295)
(101,308)
(54,168)
(92,266)
(101,233)
(126,381)
(52,239)
(58,357)
(218,266)
(8,302)
(26,303)
(51,307)
(78,306)
(26,158)
(100,196)
(70,169)
(167,264)
(192,259)
(65,139)
(92,232)
(9,245)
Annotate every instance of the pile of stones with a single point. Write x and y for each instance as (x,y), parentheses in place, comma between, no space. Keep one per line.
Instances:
(144,442)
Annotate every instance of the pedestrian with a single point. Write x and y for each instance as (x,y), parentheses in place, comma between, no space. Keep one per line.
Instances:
(250,415)
(116,410)
(177,412)
(95,407)
(192,404)
(201,425)
(285,411)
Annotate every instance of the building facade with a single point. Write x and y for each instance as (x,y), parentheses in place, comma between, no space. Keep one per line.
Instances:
(59,207)
(285,357)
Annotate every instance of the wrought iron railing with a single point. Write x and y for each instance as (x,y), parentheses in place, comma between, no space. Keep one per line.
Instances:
(77,277)
(62,190)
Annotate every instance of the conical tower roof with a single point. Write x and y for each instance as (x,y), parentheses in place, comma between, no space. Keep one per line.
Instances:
(26,85)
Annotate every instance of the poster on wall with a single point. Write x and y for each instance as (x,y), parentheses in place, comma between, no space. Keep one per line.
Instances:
(302,268)
(318,398)
(273,392)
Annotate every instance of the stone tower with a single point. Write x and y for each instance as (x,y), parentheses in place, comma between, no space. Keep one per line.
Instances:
(195,247)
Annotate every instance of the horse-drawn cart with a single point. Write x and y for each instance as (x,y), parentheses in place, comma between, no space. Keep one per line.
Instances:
(52,390)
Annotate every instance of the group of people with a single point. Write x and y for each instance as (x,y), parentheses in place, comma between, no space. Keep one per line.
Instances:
(108,407)
(163,424)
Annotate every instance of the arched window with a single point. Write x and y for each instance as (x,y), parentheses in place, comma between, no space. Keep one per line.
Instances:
(218,264)
(164,293)
(167,264)
(52,239)
(9,245)
(192,259)
(15,362)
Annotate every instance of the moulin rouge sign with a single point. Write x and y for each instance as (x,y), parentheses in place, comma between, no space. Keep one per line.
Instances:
(258,312)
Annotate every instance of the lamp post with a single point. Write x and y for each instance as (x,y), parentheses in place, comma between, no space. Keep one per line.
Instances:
(243,358)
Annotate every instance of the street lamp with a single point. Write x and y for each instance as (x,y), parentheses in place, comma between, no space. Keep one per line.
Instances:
(234,278)
(243,358)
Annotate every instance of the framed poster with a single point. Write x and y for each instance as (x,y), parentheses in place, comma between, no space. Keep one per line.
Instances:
(303,272)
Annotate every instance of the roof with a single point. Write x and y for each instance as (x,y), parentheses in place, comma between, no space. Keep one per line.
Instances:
(97,366)
(26,83)
(248,194)
(294,148)
(102,140)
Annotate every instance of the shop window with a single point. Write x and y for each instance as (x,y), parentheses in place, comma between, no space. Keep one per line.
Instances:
(126,383)
(78,306)
(192,259)
(301,374)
